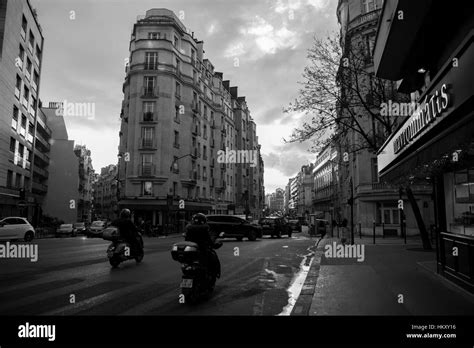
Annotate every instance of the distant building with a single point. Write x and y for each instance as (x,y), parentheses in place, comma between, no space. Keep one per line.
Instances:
(105,193)
(61,200)
(86,177)
(22,183)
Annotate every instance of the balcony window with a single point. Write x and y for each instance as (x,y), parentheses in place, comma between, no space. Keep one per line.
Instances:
(23,125)
(176,114)
(153,36)
(151,61)
(148,111)
(31,131)
(369,5)
(9,179)
(175,42)
(28,68)
(147,134)
(147,188)
(17,180)
(35,80)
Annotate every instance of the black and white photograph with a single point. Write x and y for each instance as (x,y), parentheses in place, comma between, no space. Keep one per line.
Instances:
(286,169)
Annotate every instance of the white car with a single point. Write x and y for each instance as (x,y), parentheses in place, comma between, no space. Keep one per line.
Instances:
(65,229)
(16,227)
(96,228)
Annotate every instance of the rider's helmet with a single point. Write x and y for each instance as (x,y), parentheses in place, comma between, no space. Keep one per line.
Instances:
(125,214)
(199,219)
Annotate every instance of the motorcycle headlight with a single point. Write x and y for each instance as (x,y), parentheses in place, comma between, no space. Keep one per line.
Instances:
(175,248)
(190,248)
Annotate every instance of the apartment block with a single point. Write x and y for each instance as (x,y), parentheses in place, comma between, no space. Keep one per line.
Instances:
(178,115)
(105,193)
(23,149)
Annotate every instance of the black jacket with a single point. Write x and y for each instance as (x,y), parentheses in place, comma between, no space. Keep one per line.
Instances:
(126,228)
(199,234)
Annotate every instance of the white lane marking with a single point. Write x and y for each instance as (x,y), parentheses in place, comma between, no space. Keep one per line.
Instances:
(297,283)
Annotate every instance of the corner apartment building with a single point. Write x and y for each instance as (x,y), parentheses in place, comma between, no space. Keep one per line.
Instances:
(105,193)
(374,201)
(177,113)
(304,187)
(61,200)
(86,177)
(21,45)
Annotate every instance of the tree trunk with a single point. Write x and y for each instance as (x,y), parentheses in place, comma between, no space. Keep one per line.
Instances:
(419,220)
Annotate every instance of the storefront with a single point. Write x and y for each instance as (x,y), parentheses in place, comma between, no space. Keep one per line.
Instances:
(435,63)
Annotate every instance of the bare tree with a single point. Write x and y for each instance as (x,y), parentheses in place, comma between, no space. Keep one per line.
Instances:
(340,94)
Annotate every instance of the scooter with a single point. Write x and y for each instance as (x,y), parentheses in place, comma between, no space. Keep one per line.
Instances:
(198,279)
(120,251)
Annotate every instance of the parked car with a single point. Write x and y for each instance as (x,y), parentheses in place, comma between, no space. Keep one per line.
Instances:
(65,230)
(233,227)
(79,228)
(96,228)
(275,226)
(294,225)
(12,228)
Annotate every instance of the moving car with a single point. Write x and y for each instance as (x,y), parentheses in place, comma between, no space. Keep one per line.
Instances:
(14,227)
(275,226)
(234,227)
(65,229)
(79,227)
(96,228)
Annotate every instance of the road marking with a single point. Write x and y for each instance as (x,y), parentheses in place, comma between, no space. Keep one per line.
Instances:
(298,281)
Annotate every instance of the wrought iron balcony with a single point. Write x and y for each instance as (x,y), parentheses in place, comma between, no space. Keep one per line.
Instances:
(150,92)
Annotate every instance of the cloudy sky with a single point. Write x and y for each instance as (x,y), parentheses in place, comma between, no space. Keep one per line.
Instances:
(84,52)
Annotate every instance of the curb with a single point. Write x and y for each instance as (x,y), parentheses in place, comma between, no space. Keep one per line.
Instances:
(305,299)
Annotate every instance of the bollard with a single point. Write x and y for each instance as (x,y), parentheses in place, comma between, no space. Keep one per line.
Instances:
(360,230)
(374,232)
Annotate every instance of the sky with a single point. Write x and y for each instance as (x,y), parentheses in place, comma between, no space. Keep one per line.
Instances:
(87,41)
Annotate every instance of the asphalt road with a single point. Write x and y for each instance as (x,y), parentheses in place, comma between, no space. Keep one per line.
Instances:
(73,277)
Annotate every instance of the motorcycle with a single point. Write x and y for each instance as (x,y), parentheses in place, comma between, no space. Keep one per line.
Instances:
(198,279)
(120,251)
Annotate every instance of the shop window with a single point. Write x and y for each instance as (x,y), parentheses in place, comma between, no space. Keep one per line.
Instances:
(459,193)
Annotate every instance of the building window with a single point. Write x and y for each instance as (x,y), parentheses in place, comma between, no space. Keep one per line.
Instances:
(24,23)
(26,93)
(38,54)
(178,90)
(176,114)
(193,56)
(31,39)
(151,60)
(28,67)
(15,118)
(17,180)
(21,54)
(375,173)
(147,134)
(176,41)
(147,188)
(178,66)
(204,151)
(9,179)
(149,84)
(205,131)
(12,144)
(148,111)
(176,139)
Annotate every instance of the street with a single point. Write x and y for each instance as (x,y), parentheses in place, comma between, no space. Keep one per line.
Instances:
(73,277)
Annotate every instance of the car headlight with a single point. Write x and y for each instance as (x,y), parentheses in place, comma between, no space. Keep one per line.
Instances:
(175,248)
(190,248)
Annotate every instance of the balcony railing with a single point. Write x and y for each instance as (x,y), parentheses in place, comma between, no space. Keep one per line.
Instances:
(14,124)
(148,92)
(19,63)
(151,66)
(34,86)
(42,172)
(146,170)
(30,47)
(37,60)
(27,74)
(148,117)
(43,141)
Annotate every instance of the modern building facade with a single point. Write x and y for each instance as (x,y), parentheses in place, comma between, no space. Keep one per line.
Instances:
(373,202)
(61,200)
(178,115)
(21,45)
(437,140)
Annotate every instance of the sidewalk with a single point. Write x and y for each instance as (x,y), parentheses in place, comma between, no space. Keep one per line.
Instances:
(391,272)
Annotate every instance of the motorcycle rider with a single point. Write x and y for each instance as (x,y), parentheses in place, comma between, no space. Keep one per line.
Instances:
(128,231)
(198,231)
